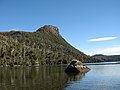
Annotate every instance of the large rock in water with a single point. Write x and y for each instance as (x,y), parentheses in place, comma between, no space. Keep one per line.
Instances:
(76,66)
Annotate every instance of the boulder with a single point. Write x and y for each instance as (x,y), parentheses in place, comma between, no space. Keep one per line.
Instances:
(76,66)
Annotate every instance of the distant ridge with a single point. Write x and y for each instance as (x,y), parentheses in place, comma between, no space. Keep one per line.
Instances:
(45,46)
(107,58)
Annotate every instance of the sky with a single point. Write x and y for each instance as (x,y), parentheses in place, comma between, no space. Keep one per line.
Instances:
(91,26)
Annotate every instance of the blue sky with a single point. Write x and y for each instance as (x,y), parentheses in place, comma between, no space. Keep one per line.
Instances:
(92,26)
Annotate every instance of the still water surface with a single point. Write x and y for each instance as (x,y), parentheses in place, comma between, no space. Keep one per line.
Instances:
(100,77)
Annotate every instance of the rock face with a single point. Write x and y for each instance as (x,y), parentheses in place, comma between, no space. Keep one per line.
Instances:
(76,66)
(49,28)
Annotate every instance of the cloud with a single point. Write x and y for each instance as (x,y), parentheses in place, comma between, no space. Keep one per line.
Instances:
(101,39)
(109,51)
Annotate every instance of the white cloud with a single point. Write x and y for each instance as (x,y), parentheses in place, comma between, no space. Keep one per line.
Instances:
(109,51)
(101,39)
(15,30)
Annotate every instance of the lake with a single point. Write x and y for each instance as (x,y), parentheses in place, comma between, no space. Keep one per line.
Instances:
(104,76)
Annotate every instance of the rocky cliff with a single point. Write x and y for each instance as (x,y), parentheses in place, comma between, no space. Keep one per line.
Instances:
(49,28)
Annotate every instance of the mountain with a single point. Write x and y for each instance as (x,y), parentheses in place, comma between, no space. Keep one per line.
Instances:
(106,58)
(44,46)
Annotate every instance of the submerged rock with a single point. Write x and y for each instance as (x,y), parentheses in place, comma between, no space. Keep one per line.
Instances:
(76,66)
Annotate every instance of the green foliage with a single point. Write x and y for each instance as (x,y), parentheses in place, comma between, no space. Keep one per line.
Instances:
(31,48)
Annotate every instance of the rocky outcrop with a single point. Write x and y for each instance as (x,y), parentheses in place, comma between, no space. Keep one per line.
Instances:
(49,28)
(76,66)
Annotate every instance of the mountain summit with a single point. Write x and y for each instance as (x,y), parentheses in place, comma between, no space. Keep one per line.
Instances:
(45,46)
(49,28)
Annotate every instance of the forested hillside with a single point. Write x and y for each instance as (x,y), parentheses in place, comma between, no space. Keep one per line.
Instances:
(44,46)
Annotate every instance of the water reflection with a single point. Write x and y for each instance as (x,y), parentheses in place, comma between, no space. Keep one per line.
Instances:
(76,76)
(36,78)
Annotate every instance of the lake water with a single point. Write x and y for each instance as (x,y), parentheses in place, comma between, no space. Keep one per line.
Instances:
(100,77)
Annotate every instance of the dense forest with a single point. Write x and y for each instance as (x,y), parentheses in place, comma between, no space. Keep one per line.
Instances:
(44,46)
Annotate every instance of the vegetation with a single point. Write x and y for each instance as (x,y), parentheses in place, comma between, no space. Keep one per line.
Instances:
(45,46)
(106,58)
